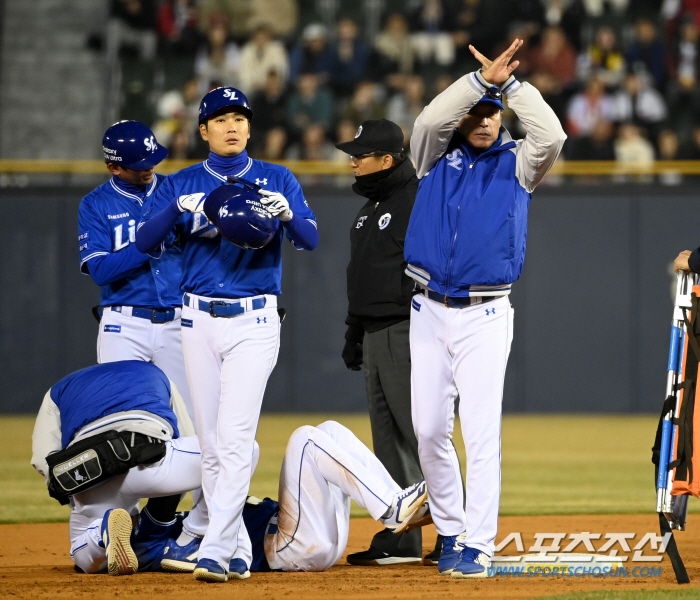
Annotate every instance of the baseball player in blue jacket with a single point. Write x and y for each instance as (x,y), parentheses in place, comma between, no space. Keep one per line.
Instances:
(131,406)
(141,299)
(230,325)
(465,247)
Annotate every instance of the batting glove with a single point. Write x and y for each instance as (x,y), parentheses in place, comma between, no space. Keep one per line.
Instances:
(192,203)
(277,205)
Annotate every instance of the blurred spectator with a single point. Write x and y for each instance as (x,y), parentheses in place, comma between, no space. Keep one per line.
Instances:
(177,27)
(526,53)
(259,56)
(646,52)
(179,145)
(556,57)
(603,59)
(588,107)
(218,61)
(279,16)
(366,103)
(551,91)
(431,22)
(270,104)
(597,8)
(345,131)
(668,150)
(313,145)
(312,54)
(690,150)
(598,145)
(683,89)
(237,15)
(177,111)
(668,145)
(309,104)
(632,147)
(394,51)
(349,59)
(275,144)
(441,83)
(132,24)
(639,103)
(403,108)
(475,22)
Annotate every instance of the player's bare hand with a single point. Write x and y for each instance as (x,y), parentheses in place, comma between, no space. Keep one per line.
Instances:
(681,262)
(497,72)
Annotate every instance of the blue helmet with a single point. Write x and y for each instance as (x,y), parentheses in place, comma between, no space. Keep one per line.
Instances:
(223,97)
(132,145)
(237,212)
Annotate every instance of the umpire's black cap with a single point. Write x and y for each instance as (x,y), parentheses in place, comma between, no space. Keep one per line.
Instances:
(375,135)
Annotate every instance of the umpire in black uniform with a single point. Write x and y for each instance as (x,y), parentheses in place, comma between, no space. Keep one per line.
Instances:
(379,305)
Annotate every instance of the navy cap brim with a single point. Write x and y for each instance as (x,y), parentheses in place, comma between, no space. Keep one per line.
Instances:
(354,147)
(150,161)
(497,103)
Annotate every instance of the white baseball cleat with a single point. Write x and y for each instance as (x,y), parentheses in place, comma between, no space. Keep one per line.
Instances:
(116,537)
(407,503)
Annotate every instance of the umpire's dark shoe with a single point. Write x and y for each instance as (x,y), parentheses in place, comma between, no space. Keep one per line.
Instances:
(377,558)
(431,559)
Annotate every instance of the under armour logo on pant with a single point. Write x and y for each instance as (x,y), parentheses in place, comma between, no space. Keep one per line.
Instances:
(262,319)
(493,311)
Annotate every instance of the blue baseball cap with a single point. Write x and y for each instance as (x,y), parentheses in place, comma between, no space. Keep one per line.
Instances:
(132,145)
(223,97)
(492,96)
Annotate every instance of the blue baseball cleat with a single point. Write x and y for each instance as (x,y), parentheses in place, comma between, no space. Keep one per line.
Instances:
(452,549)
(180,559)
(116,539)
(237,569)
(210,571)
(474,564)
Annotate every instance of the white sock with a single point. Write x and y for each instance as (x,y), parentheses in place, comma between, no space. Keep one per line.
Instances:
(186,537)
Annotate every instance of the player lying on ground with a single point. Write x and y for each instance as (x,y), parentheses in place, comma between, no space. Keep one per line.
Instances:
(324,468)
(128,413)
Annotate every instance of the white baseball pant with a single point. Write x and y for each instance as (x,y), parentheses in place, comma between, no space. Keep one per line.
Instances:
(228,362)
(178,472)
(460,351)
(324,467)
(123,337)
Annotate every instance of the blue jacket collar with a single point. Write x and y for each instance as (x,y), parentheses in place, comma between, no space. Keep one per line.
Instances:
(228,166)
(135,192)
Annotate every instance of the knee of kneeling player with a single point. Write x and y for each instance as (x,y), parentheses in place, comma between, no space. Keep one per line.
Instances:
(90,563)
(302,434)
(331,428)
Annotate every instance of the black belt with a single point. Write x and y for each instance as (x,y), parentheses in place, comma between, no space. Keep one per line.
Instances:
(458,302)
(154,315)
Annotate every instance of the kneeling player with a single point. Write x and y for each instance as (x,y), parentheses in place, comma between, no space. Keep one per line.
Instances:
(324,468)
(122,416)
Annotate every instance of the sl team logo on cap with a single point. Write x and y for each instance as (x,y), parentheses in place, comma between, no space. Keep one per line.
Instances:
(359,132)
(384,220)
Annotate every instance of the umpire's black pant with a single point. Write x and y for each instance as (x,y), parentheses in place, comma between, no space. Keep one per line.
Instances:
(387,360)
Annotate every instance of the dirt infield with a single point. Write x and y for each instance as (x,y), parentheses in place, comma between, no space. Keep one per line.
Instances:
(34,563)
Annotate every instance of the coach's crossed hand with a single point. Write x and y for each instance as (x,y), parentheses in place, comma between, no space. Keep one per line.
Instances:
(498,71)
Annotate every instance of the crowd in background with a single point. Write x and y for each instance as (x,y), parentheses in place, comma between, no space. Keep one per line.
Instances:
(622,75)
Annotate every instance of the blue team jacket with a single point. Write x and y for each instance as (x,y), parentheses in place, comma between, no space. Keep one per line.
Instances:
(469,223)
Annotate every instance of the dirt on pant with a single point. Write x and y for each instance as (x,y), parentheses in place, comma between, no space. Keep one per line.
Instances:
(34,563)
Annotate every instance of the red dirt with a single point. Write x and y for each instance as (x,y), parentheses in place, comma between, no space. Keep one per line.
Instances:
(34,563)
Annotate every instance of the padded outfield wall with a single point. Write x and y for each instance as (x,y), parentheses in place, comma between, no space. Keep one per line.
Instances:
(592,309)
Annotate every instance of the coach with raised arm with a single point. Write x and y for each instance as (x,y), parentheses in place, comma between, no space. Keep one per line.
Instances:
(465,246)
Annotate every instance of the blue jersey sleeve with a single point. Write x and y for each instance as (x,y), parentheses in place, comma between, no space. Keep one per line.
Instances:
(96,256)
(302,229)
(158,226)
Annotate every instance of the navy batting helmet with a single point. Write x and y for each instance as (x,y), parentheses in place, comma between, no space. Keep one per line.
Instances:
(224,97)
(236,210)
(132,145)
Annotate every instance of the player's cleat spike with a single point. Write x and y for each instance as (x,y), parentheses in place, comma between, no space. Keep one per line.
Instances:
(237,569)
(116,537)
(452,549)
(180,559)
(210,571)
(474,564)
(405,505)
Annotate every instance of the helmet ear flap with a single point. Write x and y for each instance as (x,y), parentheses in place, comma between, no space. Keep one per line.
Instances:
(241,218)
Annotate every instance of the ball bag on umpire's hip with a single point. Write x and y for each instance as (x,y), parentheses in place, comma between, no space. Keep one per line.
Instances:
(237,212)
